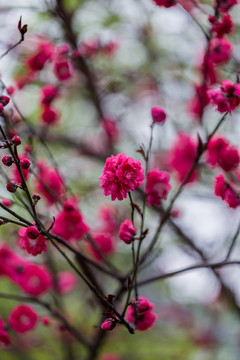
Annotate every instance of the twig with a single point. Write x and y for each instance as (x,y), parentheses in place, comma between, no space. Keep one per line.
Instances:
(22,30)
(193,267)
(94,290)
(233,242)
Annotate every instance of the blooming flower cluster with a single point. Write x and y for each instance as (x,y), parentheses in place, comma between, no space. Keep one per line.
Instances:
(227,191)
(220,51)
(227,98)
(127,231)
(221,153)
(223,26)
(47,53)
(120,175)
(181,157)
(157,186)
(140,312)
(33,245)
(43,53)
(69,223)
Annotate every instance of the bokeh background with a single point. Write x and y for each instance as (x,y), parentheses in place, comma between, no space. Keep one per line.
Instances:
(156,62)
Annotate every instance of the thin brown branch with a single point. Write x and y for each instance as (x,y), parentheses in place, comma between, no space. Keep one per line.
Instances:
(189,268)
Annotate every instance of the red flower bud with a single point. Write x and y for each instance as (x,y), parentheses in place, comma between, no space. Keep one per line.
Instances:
(12,186)
(108,324)
(7,202)
(32,232)
(16,140)
(25,163)
(46,321)
(7,160)
(36,198)
(158,115)
(4,100)
(10,90)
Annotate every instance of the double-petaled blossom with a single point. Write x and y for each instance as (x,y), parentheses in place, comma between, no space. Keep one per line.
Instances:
(49,92)
(140,312)
(63,68)
(221,153)
(227,98)
(223,26)
(227,191)
(220,50)
(35,280)
(44,53)
(33,246)
(69,223)
(49,115)
(23,318)
(127,231)
(181,157)
(120,175)
(157,186)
